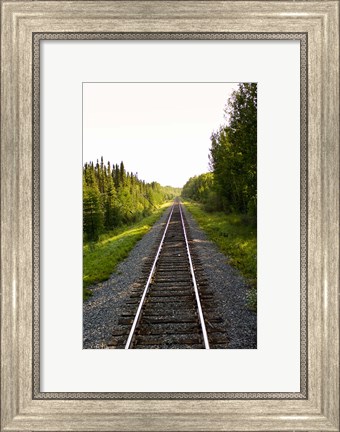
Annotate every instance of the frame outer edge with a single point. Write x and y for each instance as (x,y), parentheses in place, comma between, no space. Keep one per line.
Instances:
(9,220)
(12,225)
(330,227)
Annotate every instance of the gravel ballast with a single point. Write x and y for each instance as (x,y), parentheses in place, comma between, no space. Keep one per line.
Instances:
(230,289)
(101,312)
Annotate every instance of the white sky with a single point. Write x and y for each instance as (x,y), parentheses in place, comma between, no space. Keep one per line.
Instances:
(159,130)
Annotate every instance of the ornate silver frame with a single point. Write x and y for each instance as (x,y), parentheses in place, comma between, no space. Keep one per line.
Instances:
(315,24)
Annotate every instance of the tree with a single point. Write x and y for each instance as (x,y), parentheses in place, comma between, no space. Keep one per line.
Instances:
(93,216)
(242,112)
(201,188)
(233,152)
(114,196)
(122,174)
(110,198)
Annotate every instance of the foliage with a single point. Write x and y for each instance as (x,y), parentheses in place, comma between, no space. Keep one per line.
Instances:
(231,184)
(198,187)
(233,153)
(93,215)
(113,197)
(235,237)
(201,188)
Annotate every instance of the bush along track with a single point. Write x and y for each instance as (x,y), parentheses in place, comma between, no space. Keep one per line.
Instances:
(236,238)
(101,258)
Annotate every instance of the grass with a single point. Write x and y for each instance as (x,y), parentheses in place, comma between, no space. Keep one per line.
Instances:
(100,259)
(235,238)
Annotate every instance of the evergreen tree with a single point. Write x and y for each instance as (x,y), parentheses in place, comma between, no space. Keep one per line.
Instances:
(112,196)
(122,174)
(93,216)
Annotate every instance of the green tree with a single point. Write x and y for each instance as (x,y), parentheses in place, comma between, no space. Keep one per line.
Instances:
(112,196)
(93,216)
(110,201)
(201,188)
(242,112)
(233,152)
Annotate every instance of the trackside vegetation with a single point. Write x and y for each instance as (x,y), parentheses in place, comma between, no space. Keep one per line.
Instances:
(224,200)
(118,209)
(235,238)
(100,259)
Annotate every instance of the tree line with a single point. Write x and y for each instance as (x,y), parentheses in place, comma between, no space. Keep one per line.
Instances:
(113,197)
(231,186)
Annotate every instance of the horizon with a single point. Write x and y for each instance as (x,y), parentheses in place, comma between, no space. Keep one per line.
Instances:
(161,131)
(131,172)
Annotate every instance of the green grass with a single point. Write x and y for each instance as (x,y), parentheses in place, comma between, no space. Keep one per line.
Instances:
(100,259)
(235,238)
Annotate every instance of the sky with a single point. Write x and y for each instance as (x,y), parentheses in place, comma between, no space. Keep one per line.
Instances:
(159,130)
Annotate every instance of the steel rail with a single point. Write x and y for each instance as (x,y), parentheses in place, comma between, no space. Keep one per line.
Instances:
(198,301)
(138,313)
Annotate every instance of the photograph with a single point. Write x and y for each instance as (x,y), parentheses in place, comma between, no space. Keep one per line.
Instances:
(169,215)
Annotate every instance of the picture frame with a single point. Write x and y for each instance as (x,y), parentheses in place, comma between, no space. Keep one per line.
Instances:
(317,407)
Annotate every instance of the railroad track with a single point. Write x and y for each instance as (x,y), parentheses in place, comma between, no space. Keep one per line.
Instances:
(172,307)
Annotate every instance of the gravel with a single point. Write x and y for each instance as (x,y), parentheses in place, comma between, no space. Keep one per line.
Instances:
(102,311)
(230,289)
